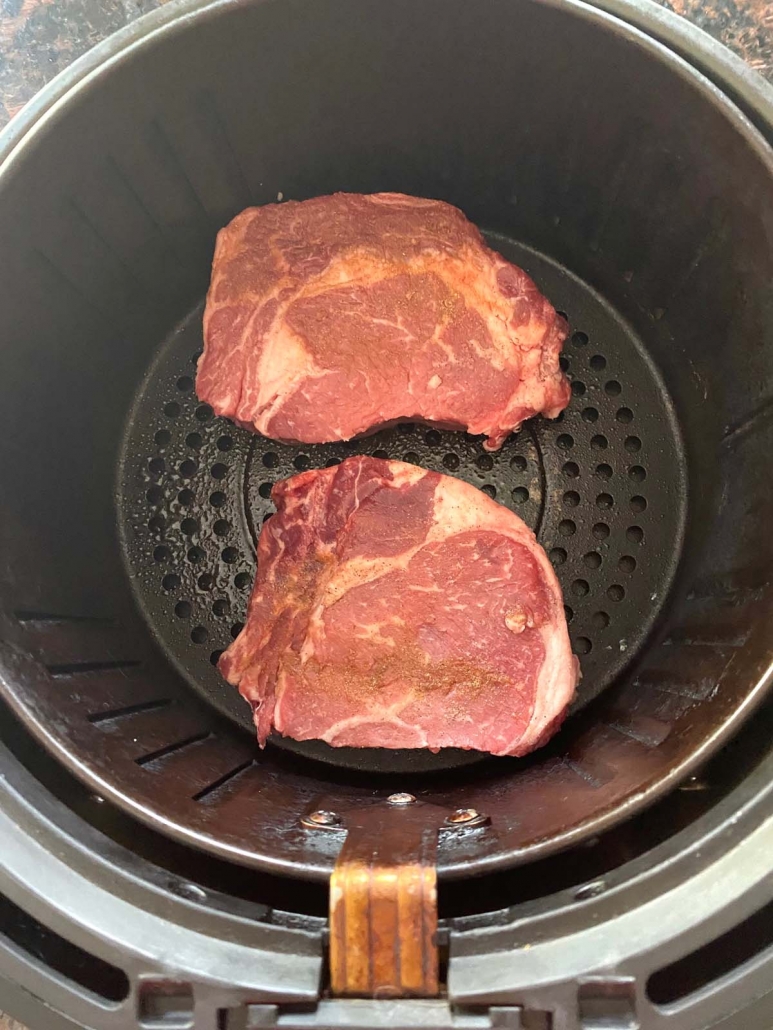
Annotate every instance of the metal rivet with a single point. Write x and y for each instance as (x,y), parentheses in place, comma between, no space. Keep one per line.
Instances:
(694,783)
(322,818)
(462,816)
(400,799)
(590,890)
(189,891)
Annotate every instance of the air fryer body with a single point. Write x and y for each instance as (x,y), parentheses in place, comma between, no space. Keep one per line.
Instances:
(638,196)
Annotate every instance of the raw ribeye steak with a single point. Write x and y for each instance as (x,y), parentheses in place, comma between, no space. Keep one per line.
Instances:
(327,318)
(396,607)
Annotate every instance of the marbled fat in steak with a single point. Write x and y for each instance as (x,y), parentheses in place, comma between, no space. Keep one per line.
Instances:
(327,318)
(396,607)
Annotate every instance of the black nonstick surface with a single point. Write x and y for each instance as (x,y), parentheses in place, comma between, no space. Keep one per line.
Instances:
(603,487)
(108,246)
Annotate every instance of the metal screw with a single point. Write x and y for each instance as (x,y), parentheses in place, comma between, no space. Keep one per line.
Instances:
(463,817)
(321,818)
(401,799)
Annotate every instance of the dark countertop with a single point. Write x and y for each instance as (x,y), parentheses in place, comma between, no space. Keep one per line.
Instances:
(746,26)
(38,38)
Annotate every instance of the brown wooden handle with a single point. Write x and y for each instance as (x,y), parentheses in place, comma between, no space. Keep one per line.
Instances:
(383,906)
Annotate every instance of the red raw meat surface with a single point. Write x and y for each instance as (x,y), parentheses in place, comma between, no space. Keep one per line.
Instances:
(328,318)
(396,607)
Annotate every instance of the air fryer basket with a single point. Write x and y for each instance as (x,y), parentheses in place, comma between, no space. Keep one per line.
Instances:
(643,204)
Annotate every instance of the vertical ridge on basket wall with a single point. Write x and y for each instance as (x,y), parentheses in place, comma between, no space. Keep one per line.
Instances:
(127,225)
(728,599)
(206,146)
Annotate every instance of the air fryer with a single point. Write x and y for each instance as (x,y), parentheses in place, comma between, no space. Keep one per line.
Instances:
(627,185)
